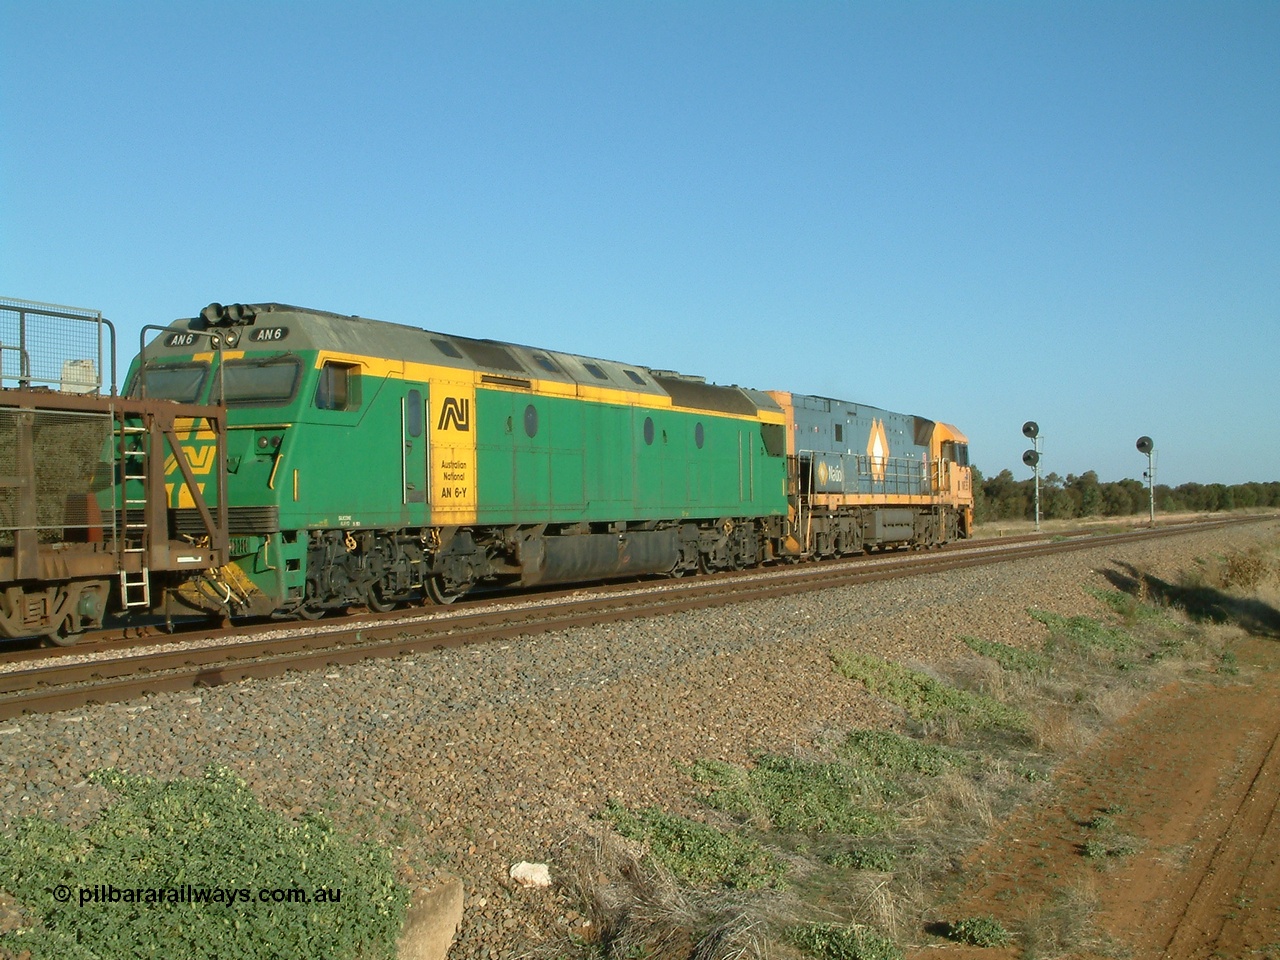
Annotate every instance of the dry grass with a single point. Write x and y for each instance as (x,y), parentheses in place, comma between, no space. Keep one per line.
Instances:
(959,799)
(638,909)
(1064,926)
(1058,730)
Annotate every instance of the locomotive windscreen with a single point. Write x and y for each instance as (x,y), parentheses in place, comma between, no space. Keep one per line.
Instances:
(271,381)
(183,382)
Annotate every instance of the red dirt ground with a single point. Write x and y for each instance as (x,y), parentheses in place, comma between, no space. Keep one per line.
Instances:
(1190,780)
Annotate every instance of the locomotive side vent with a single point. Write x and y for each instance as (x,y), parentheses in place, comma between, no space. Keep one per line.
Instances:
(241,521)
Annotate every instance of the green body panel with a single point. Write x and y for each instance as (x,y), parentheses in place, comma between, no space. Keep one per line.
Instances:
(589,461)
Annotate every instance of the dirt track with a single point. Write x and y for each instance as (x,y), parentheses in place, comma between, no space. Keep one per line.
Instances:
(1189,785)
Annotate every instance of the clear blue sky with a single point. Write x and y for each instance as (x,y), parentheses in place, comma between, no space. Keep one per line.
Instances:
(977,212)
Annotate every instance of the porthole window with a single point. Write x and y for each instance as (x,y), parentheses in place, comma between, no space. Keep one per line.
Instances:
(648,430)
(698,436)
(531,420)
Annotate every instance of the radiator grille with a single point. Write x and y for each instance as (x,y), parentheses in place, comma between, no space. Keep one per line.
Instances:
(241,521)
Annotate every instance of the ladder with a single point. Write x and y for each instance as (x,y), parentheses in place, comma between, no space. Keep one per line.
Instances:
(135,588)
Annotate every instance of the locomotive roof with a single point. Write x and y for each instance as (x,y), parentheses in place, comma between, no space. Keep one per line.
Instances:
(279,326)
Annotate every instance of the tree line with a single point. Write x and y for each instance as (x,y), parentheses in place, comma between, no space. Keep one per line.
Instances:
(1003,498)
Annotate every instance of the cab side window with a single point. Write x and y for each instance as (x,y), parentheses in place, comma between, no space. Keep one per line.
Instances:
(339,387)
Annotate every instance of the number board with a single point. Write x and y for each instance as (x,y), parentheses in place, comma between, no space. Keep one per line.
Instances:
(268,334)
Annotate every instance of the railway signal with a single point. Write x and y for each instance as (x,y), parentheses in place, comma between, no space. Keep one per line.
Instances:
(1148,446)
(1031,430)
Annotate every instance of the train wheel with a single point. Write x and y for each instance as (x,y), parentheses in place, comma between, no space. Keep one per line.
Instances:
(309,609)
(63,636)
(378,601)
(438,593)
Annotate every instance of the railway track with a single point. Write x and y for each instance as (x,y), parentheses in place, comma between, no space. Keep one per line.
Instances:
(42,681)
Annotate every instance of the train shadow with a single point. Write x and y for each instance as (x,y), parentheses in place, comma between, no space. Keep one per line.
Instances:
(1201,603)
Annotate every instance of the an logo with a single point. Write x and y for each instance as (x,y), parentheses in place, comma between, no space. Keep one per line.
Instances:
(455,413)
(201,459)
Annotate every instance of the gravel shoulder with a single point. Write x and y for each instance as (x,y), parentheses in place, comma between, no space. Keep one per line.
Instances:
(467,761)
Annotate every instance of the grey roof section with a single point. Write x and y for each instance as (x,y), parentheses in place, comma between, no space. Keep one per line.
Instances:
(321,330)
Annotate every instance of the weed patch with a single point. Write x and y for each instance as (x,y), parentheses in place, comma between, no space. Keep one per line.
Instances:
(700,855)
(796,795)
(978,932)
(895,753)
(1129,608)
(211,834)
(927,699)
(1085,633)
(830,941)
(1010,658)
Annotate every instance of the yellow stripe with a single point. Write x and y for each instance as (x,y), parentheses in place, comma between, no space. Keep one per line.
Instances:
(832,500)
(431,373)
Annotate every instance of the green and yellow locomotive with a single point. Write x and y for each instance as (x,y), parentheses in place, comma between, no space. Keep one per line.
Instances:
(367,462)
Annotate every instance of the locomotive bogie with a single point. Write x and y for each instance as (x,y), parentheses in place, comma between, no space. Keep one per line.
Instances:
(57,609)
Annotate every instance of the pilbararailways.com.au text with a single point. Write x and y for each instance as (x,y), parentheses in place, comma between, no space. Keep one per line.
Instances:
(106,893)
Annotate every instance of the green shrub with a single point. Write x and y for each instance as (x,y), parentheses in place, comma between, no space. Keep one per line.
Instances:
(925,698)
(831,941)
(696,853)
(133,873)
(978,931)
(880,859)
(1109,847)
